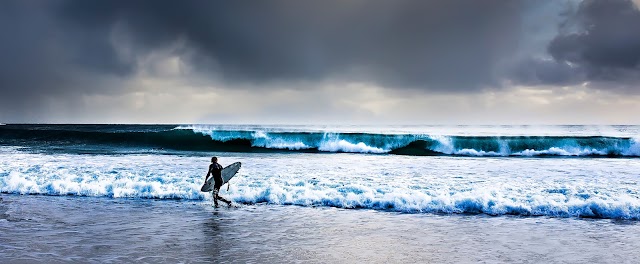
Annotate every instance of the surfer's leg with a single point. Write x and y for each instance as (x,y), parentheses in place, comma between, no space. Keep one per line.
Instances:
(224,200)
(214,193)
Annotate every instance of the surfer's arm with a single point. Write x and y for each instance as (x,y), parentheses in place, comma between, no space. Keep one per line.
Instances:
(208,173)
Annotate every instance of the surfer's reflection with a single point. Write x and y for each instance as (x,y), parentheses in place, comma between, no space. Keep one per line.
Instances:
(214,238)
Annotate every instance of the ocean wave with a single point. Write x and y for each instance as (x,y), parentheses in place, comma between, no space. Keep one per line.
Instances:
(120,186)
(421,144)
(205,138)
(443,185)
(470,202)
(496,202)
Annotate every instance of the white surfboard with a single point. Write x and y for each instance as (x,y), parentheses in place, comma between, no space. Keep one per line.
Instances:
(227,173)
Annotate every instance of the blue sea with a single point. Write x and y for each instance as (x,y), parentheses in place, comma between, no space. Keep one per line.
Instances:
(320,194)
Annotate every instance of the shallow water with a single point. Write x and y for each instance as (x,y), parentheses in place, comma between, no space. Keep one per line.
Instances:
(106,230)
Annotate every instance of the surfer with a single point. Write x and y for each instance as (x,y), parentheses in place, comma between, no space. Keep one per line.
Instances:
(215,170)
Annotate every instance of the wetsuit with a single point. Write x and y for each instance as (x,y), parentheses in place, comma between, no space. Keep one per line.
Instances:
(216,172)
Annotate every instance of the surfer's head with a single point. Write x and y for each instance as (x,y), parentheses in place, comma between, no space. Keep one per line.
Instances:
(214,159)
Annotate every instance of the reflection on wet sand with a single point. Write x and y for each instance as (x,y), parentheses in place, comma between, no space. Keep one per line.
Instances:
(86,229)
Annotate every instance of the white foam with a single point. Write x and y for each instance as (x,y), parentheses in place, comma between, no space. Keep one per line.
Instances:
(493,202)
(606,188)
(634,149)
(260,134)
(80,175)
(281,144)
(445,144)
(481,153)
(570,151)
(263,139)
(345,146)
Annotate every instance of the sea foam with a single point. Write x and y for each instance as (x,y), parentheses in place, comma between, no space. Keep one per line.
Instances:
(599,188)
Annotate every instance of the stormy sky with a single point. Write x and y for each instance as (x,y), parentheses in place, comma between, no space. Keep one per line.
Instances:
(336,61)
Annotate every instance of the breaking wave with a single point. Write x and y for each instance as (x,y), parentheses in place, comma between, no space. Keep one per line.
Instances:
(552,202)
(193,138)
(592,188)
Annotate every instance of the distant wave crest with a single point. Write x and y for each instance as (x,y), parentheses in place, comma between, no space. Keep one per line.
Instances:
(203,138)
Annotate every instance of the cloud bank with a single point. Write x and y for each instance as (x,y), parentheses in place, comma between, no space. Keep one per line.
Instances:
(63,54)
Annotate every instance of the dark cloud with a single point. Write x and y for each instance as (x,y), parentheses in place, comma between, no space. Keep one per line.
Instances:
(59,50)
(548,72)
(43,63)
(438,44)
(607,36)
(598,42)
(66,48)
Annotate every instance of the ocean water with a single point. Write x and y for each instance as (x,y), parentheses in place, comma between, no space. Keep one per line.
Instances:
(321,194)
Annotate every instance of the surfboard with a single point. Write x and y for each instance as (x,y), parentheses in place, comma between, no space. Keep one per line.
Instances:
(227,173)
